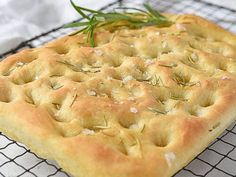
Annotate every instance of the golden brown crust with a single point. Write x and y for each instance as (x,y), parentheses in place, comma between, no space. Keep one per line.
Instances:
(143,102)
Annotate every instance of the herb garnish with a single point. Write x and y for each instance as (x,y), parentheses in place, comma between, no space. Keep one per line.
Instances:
(172,65)
(215,126)
(104,126)
(154,81)
(156,111)
(73,99)
(183,81)
(175,97)
(71,66)
(147,17)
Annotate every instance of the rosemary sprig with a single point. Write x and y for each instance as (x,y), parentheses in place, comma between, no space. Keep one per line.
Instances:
(147,17)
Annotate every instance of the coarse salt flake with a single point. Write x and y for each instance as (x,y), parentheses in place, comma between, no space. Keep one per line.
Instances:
(36,77)
(91,92)
(180,27)
(194,56)
(19,63)
(198,84)
(170,157)
(225,78)
(114,91)
(158,33)
(130,98)
(149,62)
(134,126)
(87,131)
(109,78)
(57,114)
(127,79)
(133,110)
(98,52)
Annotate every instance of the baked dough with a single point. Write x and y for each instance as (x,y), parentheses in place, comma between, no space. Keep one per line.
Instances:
(143,102)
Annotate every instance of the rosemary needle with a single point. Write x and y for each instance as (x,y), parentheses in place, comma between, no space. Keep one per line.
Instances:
(97,19)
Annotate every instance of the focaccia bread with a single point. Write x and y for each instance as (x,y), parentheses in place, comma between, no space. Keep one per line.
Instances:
(143,102)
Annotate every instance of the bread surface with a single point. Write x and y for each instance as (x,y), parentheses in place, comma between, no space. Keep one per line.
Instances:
(143,102)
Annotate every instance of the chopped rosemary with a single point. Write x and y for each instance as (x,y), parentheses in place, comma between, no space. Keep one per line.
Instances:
(156,111)
(143,128)
(161,81)
(92,69)
(155,80)
(191,45)
(192,60)
(136,141)
(107,134)
(169,66)
(174,97)
(87,68)
(7,73)
(105,126)
(71,66)
(74,98)
(29,99)
(55,75)
(64,62)
(101,127)
(147,17)
(179,80)
(146,76)
(182,81)
(161,101)
(57,106)
(215,126)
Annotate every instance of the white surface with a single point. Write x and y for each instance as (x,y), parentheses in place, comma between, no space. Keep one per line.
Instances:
(23,19)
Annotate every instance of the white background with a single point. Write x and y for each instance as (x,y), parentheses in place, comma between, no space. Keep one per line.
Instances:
(23,19)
